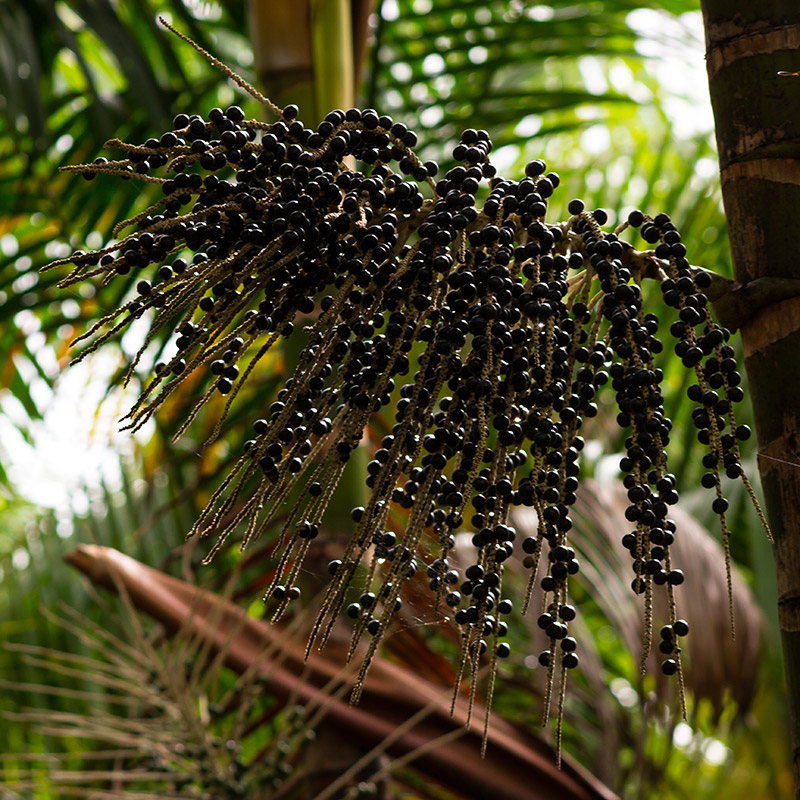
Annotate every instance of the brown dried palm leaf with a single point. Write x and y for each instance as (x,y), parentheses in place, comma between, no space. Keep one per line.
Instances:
(400,714)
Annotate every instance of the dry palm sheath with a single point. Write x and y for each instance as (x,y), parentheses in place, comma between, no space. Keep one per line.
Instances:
(512,325)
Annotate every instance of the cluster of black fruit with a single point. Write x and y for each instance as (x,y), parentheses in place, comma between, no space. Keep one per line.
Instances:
(451,304)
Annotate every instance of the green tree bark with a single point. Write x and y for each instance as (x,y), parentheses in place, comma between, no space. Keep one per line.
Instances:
(757,115)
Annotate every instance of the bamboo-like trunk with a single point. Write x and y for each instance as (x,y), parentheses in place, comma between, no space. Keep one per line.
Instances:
(757,115)
(310,52)
(280,31)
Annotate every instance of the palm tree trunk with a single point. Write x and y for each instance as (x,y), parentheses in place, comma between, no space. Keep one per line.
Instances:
(757,115)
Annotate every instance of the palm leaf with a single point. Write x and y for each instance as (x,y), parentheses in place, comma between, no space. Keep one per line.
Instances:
(475,60)
(71,75)
(519,764)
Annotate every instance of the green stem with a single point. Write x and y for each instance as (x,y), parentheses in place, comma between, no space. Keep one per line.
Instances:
(332,49)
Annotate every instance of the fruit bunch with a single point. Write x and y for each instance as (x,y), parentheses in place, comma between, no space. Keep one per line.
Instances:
(450,302)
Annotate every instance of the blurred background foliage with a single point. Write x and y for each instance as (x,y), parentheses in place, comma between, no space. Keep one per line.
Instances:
(601,90)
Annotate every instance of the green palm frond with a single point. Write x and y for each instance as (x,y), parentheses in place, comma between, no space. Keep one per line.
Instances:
(72,74)
(454,65)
